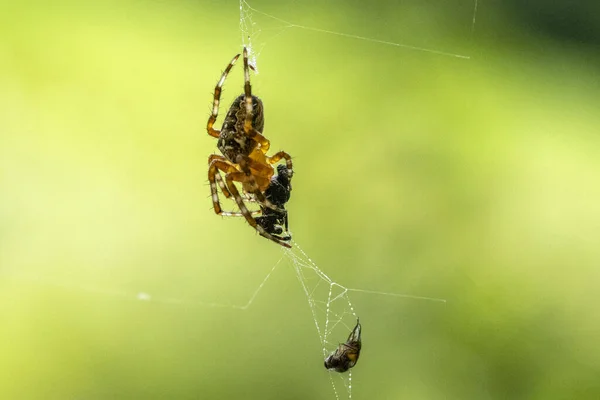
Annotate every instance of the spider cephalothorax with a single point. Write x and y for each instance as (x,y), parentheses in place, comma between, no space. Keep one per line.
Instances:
(275,222)
(244,158)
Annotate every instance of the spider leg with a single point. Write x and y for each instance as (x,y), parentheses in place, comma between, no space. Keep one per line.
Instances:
(250,131)
(217,98)
(288,161)
(230,177)
(218,177)
(222,185)
(226,193)
(247,197)
(221,182)
(213,177)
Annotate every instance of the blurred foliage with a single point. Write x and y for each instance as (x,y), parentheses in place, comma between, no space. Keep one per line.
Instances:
(472,180)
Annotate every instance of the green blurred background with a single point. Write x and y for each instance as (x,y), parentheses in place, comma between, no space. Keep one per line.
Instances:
(472,180)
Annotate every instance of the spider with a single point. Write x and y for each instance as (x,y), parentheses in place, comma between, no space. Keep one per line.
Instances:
(245,159)
(346,355)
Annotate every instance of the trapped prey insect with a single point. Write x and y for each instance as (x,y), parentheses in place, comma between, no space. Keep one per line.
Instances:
(275,222)
(244,160)
(346,355)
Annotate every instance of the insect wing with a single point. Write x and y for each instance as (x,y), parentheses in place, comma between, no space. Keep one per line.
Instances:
(355,336)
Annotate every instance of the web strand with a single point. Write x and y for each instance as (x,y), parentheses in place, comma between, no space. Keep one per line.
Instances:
(474,16)
(247,26)
(406,296)
(140,295)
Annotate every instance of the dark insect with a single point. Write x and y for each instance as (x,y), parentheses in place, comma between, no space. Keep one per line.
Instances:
(245,160)
(346,355)
(275,222)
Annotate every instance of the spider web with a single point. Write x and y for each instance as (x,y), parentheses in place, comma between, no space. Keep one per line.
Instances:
(333,312)
(252,32)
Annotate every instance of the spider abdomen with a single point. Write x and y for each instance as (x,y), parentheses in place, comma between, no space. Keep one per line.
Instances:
(233,141)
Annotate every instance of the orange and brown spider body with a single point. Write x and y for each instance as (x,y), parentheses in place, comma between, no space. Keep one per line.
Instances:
(244,156)
(235,144)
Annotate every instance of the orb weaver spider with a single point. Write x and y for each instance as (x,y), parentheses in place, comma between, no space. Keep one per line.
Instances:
(245,160)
